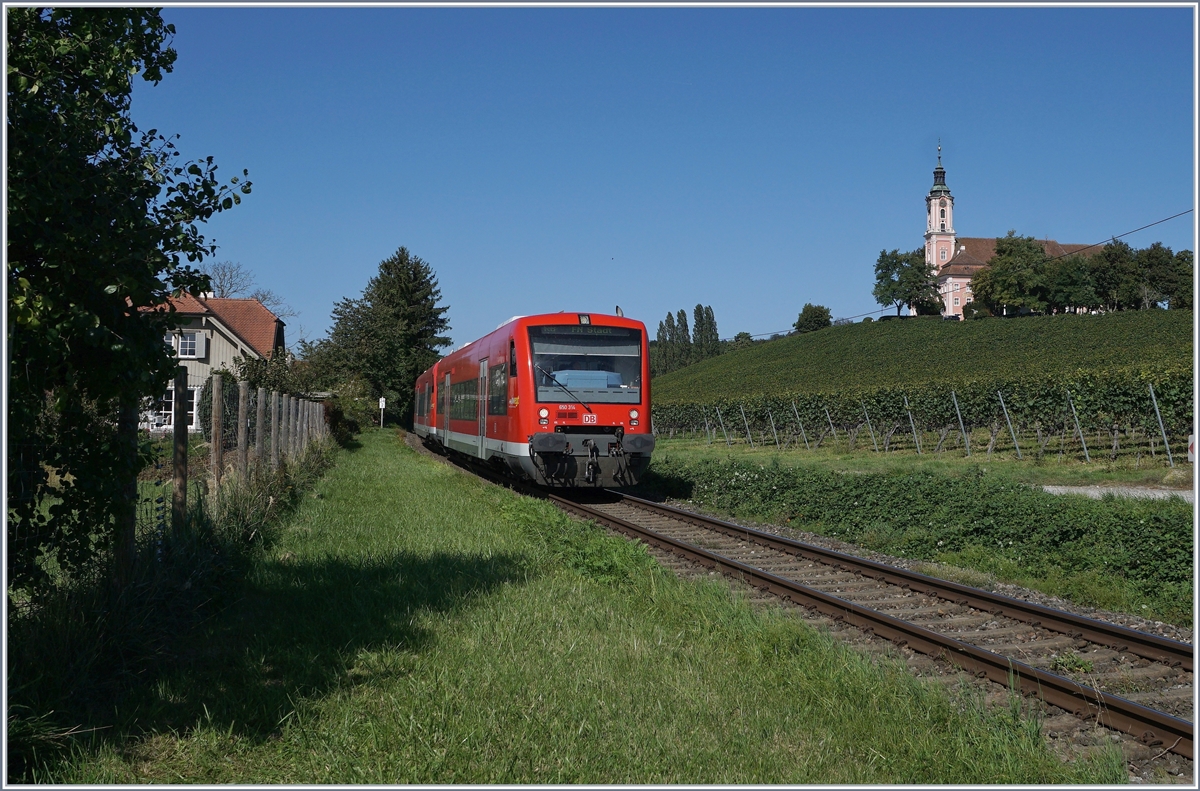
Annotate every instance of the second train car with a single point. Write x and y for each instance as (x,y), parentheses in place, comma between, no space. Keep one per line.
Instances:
(562,399)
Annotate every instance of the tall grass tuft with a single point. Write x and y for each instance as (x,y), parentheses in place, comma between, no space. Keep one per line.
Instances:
(74,653)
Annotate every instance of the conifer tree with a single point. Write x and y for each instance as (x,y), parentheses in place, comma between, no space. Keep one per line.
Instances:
(683,340)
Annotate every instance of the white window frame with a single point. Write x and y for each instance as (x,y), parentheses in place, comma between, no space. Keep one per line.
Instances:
(186,340)
(943,253)
(165,417)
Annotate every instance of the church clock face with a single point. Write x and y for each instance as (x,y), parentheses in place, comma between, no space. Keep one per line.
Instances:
(943,203)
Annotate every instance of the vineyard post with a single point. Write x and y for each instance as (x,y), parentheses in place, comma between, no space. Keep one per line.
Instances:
(870,428)
(1166,444)
(773,431)
(707,431)
(747,424)
(796,412)
(1075,415)
(961,427)
(217,429)
(831,428)
(1010,425)
(723,431)
(912,423)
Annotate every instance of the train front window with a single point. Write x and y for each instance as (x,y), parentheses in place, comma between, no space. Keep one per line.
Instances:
(601,365)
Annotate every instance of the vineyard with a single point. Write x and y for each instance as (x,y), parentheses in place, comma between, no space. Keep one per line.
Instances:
(1052,374)
(927,350)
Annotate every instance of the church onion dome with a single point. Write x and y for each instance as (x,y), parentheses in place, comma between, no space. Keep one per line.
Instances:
(939,177)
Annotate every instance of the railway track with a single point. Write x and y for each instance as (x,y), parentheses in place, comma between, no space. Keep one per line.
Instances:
(1130,681)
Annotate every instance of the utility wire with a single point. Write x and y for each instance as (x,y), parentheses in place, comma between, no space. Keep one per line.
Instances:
(1048,260)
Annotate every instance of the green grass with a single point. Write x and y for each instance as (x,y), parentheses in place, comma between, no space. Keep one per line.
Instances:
(1129,555)
(919,351)
(413,625)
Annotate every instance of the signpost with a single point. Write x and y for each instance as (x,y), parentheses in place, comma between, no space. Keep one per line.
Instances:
(382,404)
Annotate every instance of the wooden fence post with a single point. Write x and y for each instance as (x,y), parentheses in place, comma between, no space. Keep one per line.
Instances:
(285,436)
(217,430)
(179,421)
(274,429)
(243,430)
(260,417)
(125,546)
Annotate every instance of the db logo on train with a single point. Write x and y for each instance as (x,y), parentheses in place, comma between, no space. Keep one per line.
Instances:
(1192,448)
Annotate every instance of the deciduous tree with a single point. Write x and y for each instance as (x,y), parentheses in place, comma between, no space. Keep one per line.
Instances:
(1014,278)
(906,279)
(813,317)
(102,221)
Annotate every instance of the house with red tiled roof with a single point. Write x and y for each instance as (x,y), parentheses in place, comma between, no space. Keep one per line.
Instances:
(958,258)
(213,331)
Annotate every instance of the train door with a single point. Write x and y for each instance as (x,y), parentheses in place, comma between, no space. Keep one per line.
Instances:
(446,411)
(483,383)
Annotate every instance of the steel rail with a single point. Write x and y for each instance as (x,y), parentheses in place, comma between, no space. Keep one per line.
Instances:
(1120,638)
(1151,727)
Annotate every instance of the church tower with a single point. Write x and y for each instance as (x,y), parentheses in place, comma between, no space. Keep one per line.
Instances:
(939,223)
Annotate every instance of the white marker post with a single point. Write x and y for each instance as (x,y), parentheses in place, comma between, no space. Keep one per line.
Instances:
(382,404)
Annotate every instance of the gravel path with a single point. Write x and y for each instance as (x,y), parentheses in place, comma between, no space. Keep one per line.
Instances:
(1097,492)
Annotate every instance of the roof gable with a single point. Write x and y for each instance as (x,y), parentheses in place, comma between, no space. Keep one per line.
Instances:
(251,320)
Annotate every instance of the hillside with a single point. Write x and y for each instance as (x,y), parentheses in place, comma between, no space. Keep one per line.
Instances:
(885,353)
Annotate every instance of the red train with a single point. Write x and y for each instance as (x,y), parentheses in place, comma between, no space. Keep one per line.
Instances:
(561,398)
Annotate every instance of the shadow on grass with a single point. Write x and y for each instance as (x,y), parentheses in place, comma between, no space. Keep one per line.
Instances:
(657,487)
(296,629)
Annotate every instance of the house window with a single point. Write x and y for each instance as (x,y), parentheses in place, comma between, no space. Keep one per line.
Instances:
(956,302)
(166,408)
(187,344)
(943,253)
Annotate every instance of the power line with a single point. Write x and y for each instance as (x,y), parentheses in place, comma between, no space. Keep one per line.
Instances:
(1048,260)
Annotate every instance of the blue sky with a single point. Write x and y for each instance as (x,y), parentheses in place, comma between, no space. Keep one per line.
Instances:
(749,159)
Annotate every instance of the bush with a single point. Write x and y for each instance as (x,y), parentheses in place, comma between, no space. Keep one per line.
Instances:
(1140,547)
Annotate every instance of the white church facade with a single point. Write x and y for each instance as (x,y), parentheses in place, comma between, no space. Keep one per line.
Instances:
(956,259)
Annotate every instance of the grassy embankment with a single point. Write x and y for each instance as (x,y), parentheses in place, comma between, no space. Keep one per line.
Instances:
(1118,553)
(411,624)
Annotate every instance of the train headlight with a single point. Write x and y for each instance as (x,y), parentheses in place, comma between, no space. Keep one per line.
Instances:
(633,413)
(543,412)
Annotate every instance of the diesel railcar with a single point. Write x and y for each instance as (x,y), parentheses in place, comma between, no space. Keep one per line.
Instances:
(562,399)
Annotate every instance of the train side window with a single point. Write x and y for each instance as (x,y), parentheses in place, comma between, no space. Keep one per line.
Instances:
(512,358)
(498,390)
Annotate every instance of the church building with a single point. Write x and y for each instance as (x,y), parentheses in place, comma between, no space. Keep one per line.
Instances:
(958,258)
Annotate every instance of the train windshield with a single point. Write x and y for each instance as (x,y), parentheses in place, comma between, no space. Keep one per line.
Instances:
(601,365)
